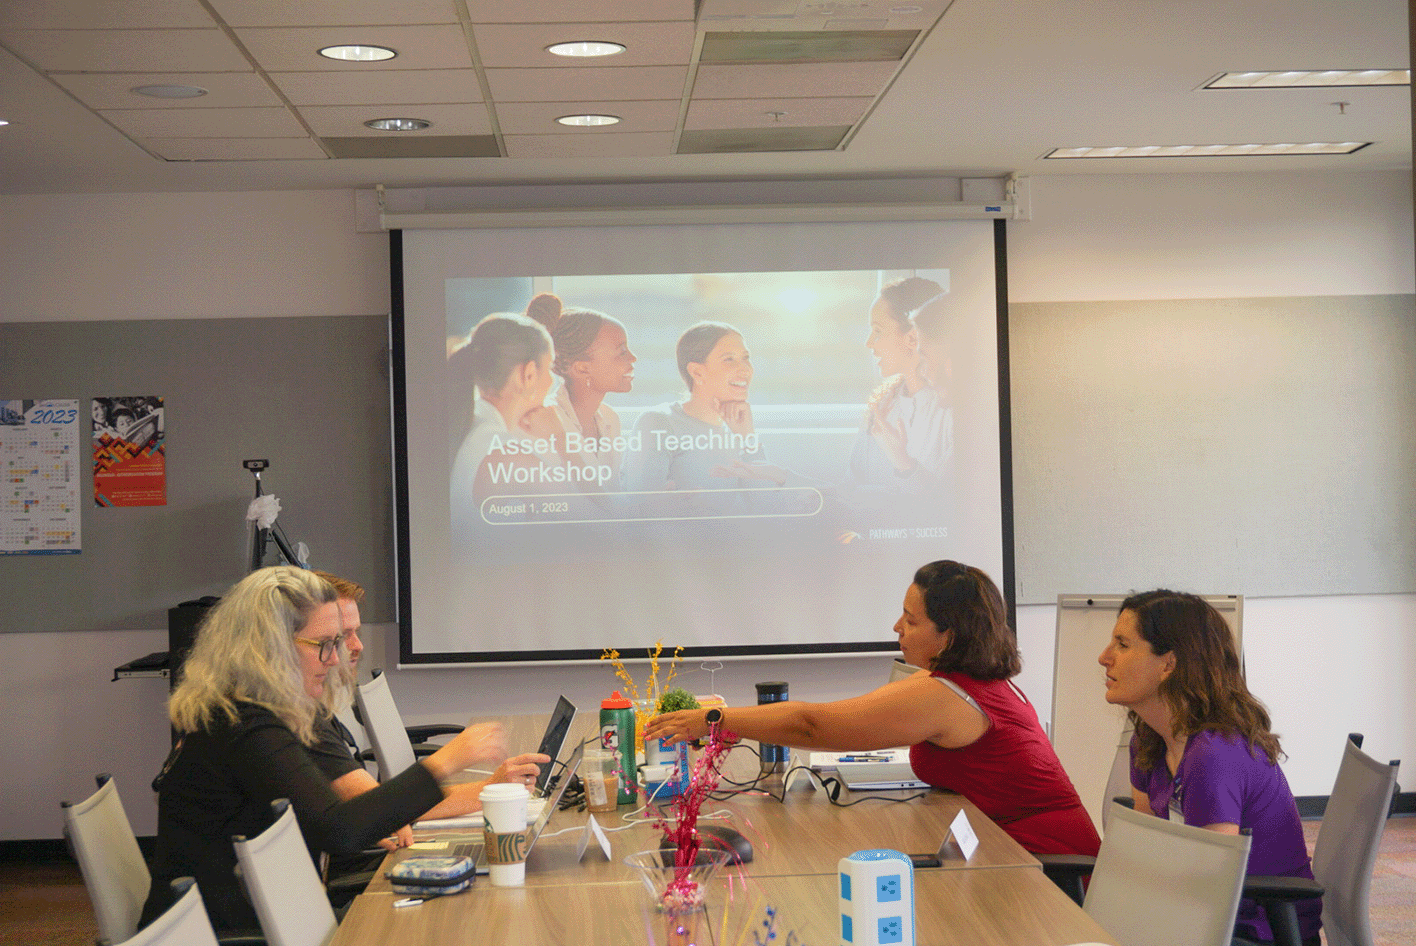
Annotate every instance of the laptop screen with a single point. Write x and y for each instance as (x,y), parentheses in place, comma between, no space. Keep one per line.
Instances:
(561,718)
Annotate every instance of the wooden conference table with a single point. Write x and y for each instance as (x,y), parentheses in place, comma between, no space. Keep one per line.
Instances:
(997,897)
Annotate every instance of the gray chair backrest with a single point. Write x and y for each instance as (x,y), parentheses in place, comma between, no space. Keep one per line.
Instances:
(1157,883)
(384,727)
(184,924)
(284,885)
(114,871)
(1118,782)
(1346,849)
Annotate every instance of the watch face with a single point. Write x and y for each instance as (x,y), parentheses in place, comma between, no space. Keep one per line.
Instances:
(714,715)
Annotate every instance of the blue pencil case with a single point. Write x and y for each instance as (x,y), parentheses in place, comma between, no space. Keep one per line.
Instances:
(432,875)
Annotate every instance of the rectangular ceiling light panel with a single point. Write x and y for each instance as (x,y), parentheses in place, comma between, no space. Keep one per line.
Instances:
(1298,79)
(1207,151)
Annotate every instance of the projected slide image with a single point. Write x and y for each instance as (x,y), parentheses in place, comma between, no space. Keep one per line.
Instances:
(783,406)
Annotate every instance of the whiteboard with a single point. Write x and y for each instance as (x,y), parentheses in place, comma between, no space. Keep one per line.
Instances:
(1087,731)
(1290,424)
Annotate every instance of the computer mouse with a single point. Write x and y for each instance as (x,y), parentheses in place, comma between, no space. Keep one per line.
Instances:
(723,838)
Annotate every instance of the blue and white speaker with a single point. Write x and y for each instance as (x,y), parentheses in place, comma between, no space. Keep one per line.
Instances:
(877,899)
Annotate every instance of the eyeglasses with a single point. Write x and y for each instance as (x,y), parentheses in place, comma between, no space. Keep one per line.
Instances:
(327,646)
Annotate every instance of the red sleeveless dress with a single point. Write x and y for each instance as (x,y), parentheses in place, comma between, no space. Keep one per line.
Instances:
(1011,773)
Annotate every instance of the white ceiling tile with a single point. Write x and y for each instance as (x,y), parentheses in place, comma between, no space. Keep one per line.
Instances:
(511,46)
(348,121)
(102,15)
(334,12)
(531,118)
(236,149)
(206,123)
(296,49)
(642,145)
(755,113)
(107,90)
(183,50)
(590,84)
(792,80)
(562,11)
(379,88)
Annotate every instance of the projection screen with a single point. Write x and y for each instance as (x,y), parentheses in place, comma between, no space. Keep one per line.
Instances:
(789,522)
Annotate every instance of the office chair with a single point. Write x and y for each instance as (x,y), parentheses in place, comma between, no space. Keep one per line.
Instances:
(1069,871)
(116,876)
(1157,882)
(1343,857)
(184,924)
(392,742)
(283,883)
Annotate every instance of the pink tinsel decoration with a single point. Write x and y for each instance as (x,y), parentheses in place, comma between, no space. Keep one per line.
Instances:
(683,832)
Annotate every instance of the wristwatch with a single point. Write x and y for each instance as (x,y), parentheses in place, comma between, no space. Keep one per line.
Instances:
(713,717)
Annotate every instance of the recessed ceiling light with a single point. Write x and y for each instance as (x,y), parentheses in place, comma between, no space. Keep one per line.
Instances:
(585,48)
(1209,151)
(589,121)
(3,122)
(357,53)
(398,124)
(170,91)
(1317,79)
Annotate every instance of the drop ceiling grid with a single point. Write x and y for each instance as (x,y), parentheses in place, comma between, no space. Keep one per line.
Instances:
(444,86)
(276,13)
(572,11)
(434,77)
(112,91)
(589,84)
(522,46)
(123,50)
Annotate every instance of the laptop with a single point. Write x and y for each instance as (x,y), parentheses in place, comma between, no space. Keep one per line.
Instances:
(877,776)
(476,849)
(561,718)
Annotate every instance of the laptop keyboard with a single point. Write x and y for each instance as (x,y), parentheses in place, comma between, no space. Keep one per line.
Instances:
(472,849)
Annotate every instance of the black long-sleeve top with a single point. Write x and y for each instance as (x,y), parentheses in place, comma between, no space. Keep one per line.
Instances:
(221,784)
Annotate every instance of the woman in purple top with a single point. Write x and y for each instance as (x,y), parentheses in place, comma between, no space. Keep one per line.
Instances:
(1202,749)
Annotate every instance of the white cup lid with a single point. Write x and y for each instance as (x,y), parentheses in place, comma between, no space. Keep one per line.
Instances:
(504,791)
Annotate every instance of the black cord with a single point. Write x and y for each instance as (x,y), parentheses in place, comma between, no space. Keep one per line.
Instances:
(831,786)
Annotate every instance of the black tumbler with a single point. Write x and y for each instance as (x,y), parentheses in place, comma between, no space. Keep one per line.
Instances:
(774,758)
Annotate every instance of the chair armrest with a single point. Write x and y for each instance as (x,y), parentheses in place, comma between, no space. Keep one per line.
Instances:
(424,733)
(1277,895)
(241,939)
(1068,872)
(1259,887)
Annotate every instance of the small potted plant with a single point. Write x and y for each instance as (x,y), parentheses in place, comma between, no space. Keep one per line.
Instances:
(672,759)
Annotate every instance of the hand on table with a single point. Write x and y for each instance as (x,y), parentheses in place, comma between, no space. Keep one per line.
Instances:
(403,837)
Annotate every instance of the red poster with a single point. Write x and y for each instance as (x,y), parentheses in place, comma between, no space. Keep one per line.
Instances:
(129,451)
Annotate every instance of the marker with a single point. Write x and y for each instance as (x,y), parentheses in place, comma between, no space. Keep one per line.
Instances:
(864,758)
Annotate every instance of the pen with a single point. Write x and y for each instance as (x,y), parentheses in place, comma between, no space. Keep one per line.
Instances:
(407,902)
(863,758)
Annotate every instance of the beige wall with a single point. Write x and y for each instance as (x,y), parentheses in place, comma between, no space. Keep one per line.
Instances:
(1325,665)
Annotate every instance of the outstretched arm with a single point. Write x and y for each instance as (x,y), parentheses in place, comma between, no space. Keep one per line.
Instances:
(917,709)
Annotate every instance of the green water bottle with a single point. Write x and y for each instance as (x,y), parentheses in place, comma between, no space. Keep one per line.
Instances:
(617,736)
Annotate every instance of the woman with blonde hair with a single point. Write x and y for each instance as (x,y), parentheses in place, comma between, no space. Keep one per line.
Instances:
(266,664)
